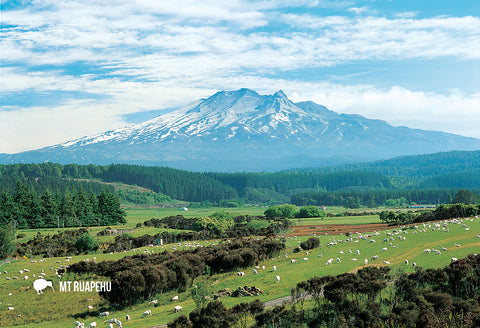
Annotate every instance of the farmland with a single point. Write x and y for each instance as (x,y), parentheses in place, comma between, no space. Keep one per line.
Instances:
(57,309)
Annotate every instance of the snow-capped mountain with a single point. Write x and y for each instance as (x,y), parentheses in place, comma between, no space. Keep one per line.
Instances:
(245,131)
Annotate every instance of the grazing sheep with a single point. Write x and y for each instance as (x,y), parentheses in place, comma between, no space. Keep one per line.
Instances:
(90,307)
(274,268)
(148,313)
(11,308)
(103,314)
(406,262)
(79,324)
(414,264)
(153,302)
(305,258)
(178,308)
(365,262)
(292,261)
(358,252)
(175,298)
(127,318)
(330,261)
(386,262)
(241,274)
(277,278)
(338,260)
(92,325)
(384,249)
(115,321)
(254,271)
(453,259)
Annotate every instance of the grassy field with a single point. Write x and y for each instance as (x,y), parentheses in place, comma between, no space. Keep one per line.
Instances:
(56,309)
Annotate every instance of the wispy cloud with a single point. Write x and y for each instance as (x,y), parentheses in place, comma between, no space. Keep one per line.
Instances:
(135,56)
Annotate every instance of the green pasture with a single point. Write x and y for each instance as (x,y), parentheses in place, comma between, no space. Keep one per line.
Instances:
(56,309)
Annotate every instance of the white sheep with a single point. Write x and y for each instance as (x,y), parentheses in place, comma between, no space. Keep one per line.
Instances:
(147,313)
(104,314)
(175,298)
(365,262)
(178,308)
(277,278)
(93,325)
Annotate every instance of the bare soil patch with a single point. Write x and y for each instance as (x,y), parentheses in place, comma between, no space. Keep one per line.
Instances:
(336,229)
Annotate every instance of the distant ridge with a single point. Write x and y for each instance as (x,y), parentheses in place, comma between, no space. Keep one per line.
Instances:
(423,166)
(244,131)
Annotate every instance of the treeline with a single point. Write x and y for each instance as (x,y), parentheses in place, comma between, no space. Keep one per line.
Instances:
(73,208)
(445,297)
(191,186)
(374,197)
(442,212)
(417,166)
(282,182)
(140,277)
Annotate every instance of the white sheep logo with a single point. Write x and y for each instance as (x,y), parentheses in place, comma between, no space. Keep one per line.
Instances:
(40,284)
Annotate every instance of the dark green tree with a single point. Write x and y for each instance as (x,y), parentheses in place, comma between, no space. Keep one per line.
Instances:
(86,243)
(7,242)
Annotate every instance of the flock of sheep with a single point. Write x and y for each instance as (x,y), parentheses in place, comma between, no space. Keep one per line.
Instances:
(390,239)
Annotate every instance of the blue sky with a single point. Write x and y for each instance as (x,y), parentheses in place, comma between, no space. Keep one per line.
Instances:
(75,68)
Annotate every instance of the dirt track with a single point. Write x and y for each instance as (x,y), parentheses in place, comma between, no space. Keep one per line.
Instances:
(336,229)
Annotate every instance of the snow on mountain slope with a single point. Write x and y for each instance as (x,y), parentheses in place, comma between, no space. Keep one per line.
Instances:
(243,130)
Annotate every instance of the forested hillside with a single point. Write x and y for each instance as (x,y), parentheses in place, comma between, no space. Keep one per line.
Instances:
(433,179)
(417,166)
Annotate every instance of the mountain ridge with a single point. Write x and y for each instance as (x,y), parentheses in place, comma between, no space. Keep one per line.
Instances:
(244,131)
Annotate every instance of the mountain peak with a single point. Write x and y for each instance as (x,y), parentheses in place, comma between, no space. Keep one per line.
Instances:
(245,131)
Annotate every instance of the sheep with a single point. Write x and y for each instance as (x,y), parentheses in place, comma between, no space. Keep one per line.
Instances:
(414,264)
(148,313)
(338,260)
(406,262)
(11,308)
(274,268)
(305,258)
(386,262)
(127,318)
(90,307)
(365,262)
(153,302)
(277,278)
(241,274)
(178,308)
(254,271)
(292,261)
(453,259)
(103,314)
(115,321)
(330,261)
(375,257)
(384,249)
(175,298)
(79,324)
(358,252)
(92,325)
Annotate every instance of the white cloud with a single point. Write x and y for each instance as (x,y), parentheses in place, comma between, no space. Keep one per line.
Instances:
(148,55)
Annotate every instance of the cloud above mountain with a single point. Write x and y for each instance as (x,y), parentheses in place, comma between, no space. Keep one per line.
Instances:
(82,66)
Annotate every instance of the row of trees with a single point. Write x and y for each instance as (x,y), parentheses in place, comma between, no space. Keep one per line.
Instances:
(373,198)
(289,211)
(442,212)
(27,209)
